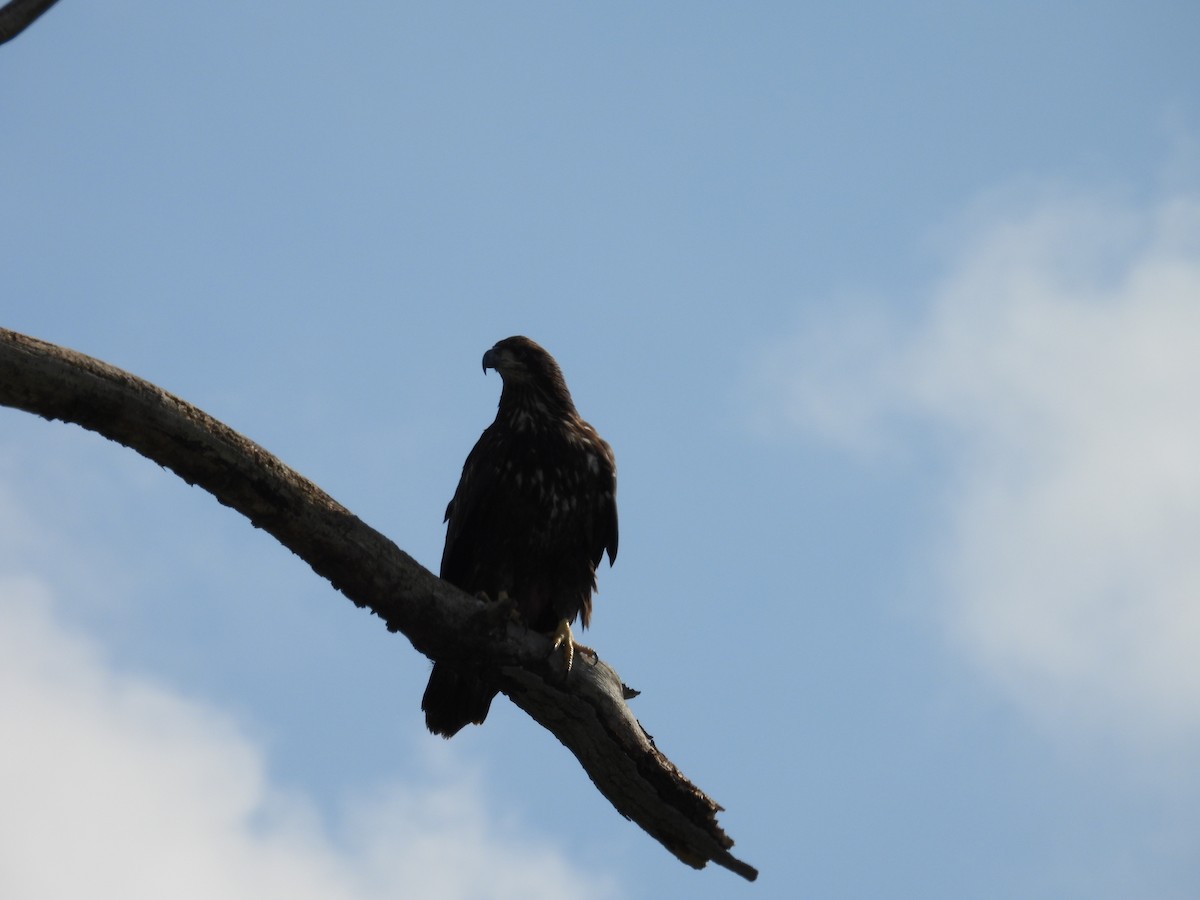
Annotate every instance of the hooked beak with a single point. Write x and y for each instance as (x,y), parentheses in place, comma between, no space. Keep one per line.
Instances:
(489,360)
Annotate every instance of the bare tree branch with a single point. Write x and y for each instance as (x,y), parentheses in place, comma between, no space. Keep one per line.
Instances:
(18,15)
(586,710)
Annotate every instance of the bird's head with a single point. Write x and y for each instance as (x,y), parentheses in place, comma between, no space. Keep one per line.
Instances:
(526,366)
(519,359)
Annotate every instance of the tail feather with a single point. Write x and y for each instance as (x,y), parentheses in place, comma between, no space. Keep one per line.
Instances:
(455,697)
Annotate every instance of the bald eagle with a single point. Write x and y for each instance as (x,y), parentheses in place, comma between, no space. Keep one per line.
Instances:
(534,513)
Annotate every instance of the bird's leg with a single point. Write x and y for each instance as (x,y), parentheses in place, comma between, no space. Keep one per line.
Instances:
(565,642)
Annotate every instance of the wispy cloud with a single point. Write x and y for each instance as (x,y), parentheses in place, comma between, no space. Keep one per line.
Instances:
(115,786)
(1057,359)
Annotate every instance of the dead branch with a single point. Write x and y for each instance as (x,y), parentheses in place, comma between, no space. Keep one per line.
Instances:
(18,15)
(586,710)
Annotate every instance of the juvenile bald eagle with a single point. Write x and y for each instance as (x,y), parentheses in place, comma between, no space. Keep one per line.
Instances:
(534,513)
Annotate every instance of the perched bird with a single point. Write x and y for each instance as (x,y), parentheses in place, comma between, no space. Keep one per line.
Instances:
(533,515)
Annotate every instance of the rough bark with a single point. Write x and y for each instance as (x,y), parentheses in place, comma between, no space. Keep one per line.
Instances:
(585,710)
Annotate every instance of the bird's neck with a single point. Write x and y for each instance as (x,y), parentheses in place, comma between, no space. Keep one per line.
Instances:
(524,405)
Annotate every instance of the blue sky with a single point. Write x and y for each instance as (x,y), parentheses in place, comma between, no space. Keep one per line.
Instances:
(889,312)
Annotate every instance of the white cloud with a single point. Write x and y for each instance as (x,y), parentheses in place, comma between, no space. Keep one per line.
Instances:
(1059,357)
(114,786)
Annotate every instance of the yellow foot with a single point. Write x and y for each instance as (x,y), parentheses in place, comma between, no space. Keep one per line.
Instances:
(565,643)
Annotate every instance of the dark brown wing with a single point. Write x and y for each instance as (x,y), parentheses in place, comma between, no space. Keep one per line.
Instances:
(456,695)
(605,506)
(471,559)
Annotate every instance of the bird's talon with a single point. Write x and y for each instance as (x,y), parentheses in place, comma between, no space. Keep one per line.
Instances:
(565,643)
